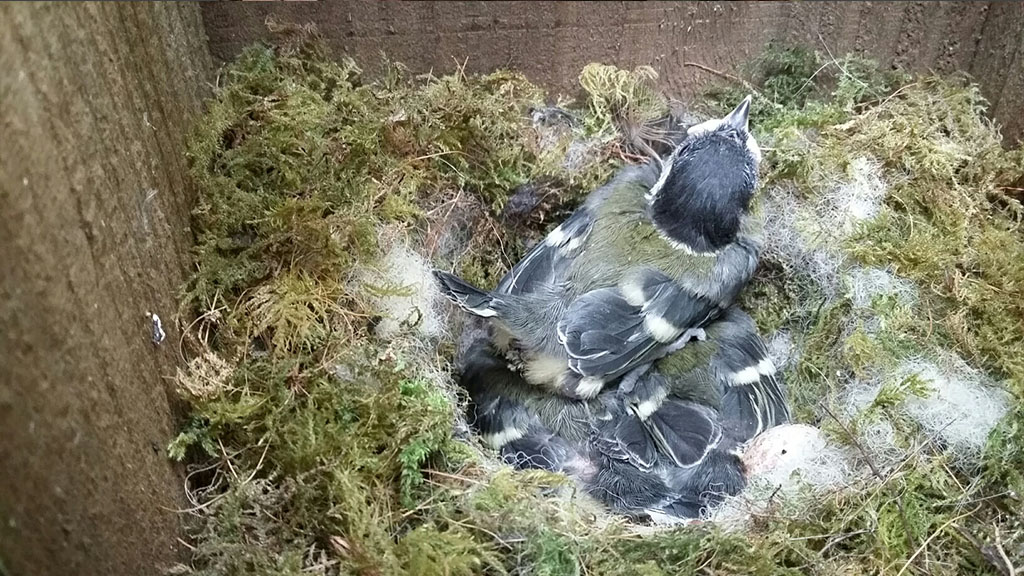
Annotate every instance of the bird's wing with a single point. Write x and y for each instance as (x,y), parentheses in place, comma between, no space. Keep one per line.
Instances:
(548,261)
(684,431)
(679,431)
(609,331)
(753,397)
(623,438)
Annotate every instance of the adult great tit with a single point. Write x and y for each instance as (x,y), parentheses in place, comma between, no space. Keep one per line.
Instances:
(635,272)
(668,444)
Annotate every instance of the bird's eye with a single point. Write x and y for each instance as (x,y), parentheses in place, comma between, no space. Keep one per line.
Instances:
(783,452)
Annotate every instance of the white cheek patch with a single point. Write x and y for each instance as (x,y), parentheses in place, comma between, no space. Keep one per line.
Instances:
(661,329)
(666,169)
(753,148)
(705,127)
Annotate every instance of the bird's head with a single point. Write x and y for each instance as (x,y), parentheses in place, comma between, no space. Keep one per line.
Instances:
(706,184)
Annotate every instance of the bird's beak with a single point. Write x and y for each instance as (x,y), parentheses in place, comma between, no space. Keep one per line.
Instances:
(740,117)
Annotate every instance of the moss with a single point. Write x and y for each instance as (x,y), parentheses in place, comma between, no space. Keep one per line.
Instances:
(314,446)
(948,225)
(453,552)
(318,447)
(621,101)
(299,159)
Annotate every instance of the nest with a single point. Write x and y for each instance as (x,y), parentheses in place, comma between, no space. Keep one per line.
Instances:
(327,435)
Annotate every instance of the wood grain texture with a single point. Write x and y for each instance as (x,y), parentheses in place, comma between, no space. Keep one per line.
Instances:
(551,41)
(95,100)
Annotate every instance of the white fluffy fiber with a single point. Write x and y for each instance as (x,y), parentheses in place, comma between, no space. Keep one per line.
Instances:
(787,467)
(856,199)
(863,285)
(875,433)
(962,407)
(782,350)
(959,410)
(404,293)
(807,236)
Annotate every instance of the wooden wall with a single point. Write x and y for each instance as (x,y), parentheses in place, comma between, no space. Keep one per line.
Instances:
(551,41)
(95,100)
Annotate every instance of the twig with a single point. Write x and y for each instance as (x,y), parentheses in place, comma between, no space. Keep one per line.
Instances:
(840,537)
(227,459)
(198,508)
(725,75)
(1010,570)
(836,62)
(453,476)
(507,543)
(811,78)
(874,470)
(436,154)
(258,465)
(820,536)
(932,537)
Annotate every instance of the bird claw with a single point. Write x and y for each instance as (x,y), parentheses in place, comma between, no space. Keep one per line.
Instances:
(515,361)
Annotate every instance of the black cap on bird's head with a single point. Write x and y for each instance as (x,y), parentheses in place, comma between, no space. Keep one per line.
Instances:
(707,183)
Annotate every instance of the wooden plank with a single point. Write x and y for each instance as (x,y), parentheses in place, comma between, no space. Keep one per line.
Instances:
(552,41)
(95,101)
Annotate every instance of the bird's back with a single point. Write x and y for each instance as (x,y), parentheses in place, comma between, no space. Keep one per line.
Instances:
(555,261)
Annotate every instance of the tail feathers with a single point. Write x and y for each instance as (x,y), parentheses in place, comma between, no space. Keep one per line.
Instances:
(626,489)
(753,394)
(468,297)
(719,475)
(493,412)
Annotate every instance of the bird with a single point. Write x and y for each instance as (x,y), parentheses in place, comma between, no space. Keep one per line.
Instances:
(669,445)
(636,271)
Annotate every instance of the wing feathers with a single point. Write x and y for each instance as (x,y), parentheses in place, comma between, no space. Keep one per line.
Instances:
(609,331)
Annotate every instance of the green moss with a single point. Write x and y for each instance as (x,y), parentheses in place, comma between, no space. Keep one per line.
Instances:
(319,445)
(1004,453)
(299,159)
(621,100)
(452,552)
(323,448)
(948,225)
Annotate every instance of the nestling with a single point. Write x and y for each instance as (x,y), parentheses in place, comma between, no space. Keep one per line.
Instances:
(667,445)
(636,272)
